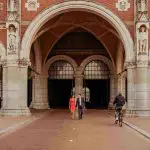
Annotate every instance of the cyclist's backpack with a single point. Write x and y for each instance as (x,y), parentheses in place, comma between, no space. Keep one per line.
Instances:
(120,101)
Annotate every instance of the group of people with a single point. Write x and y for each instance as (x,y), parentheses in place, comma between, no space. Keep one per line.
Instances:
(79,104)
(76,104)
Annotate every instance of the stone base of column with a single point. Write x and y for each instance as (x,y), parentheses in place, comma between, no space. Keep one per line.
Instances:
(110,106)
(143,113)
(15,112)
(130,113)
(138,113)
(37,105)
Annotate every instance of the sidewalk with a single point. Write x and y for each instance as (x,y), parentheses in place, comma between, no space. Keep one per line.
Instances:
(140,124)
(9,124)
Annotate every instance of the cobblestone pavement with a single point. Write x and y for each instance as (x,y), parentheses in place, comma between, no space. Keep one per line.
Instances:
(56,131)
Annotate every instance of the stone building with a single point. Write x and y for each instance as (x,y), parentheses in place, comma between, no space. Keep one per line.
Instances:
(50,49)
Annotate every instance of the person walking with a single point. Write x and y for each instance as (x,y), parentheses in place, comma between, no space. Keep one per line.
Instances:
(80,104)
(72,106)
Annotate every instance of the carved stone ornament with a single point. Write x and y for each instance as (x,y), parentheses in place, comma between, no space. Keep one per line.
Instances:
(13,16)
(142,38)
(23,62)
(123,5)
(141,5)
(130,65)
(141,13)
(12,44)
(142,63)
(32,5)
(12,5)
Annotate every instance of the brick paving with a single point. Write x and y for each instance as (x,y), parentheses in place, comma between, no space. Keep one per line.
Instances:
(56,131)
(8,123)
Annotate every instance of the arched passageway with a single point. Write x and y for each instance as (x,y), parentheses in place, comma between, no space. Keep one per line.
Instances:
(52,25)
(84,51)
(77,43)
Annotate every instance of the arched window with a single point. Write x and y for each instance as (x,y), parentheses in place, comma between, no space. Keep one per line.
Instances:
(61,70)
(96,70)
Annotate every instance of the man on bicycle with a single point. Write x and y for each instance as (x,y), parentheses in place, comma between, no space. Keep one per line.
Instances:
(118,102)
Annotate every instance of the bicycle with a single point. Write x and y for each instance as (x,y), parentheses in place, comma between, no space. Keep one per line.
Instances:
(120,117)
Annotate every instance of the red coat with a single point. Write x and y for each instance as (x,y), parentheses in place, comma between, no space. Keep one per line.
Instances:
(72,104)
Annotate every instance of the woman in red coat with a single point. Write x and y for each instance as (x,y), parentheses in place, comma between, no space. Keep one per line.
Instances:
(72,106)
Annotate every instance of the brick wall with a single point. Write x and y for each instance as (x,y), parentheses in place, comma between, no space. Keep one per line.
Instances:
(128,16)
(3,13)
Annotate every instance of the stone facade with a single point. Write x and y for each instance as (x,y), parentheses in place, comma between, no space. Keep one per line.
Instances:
(30,28)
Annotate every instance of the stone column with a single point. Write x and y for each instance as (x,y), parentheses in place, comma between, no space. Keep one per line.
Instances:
(40,92)
(112,91)
(78,82)
(141,90)
(14,89)
(131,103)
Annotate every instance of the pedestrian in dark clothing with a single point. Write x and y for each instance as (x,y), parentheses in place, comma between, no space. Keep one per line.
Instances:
(80,104)
(118,102)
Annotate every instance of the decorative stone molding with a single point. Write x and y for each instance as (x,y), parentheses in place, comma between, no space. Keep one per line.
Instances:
(32,5)
(23,62)
(13,29)
(142,37)
(12,39)
(13,5)
(142,5)
(13,16)
(1,6)
(141,10)
(92,7)
(142,26)
(130,65)
(142,64)
(123,5)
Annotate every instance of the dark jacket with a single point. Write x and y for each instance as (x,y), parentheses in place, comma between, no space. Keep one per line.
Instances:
(82,103)
(119,101)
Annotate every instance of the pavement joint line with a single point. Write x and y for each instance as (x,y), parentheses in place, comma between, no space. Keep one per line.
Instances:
(20,125)
(139,130)
(135,128)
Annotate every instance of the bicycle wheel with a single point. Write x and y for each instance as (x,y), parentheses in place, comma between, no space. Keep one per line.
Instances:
(120,119)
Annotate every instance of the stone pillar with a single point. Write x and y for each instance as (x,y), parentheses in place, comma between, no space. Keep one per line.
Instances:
(131,103)
(112,91)
(14,89)
(78,82)
(40,92)
(141,90)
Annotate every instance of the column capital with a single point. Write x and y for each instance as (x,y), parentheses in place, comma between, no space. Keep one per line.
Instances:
(78,75)
(15,63)
(130,65)
(23,62)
